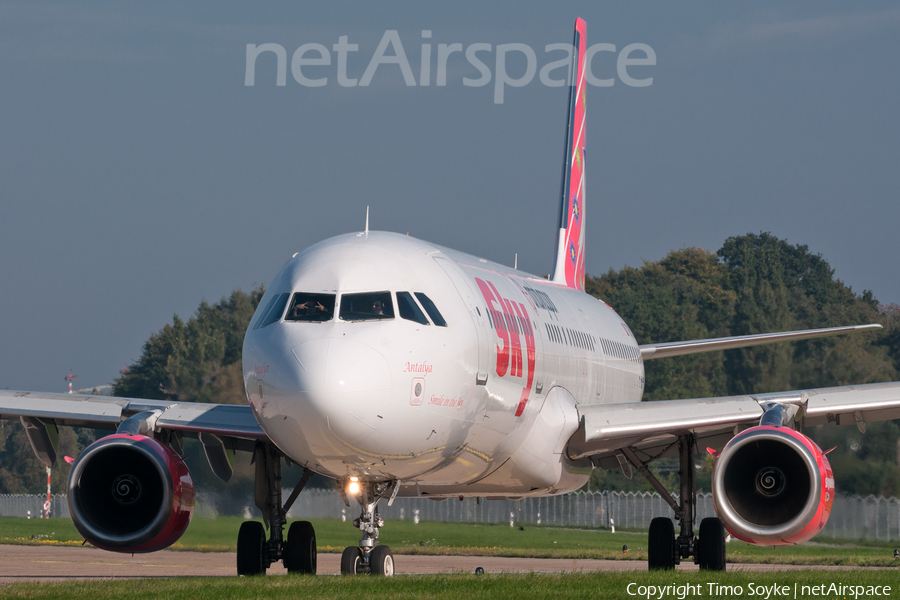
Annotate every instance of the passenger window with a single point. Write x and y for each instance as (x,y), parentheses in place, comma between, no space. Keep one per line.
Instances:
(367,307)
(409,310)
(311,307)
(276,311)
(431,309)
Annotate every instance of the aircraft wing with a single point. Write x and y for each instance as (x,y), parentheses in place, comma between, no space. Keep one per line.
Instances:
(667,349)
(234,424)
(651,429)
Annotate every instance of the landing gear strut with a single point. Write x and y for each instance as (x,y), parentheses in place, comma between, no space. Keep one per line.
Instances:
(665,550)
(255,553)
(368,557)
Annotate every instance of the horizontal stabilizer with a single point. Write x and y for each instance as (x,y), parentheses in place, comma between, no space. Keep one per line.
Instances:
(667,349)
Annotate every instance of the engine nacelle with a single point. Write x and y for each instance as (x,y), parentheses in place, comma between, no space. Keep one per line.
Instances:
(130,493)
(773,486)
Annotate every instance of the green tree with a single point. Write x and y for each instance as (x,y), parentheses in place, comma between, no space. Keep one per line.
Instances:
(757,268)
(197,361)
(891,338)
(863,463)
(758,283)
(20,470)
(681,297)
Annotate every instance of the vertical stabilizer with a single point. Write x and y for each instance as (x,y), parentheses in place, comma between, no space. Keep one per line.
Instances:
(569,266)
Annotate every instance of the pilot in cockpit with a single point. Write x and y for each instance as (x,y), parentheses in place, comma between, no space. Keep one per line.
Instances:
(308,309)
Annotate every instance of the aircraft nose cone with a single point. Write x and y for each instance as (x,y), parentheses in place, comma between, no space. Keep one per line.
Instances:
(344,382)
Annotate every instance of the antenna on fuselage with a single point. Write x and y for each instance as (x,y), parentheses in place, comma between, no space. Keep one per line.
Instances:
(516,262)
(367,220)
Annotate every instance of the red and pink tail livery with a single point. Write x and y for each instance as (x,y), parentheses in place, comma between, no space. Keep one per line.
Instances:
(569,267)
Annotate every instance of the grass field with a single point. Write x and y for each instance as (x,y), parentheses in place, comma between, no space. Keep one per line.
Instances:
(454,587)
(474,539)
(404,537)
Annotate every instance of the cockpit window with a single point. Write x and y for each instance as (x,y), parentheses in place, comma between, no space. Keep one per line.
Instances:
(311,307)
(431,309)
(409,310)
(274,310)
(265,311)
(367,307)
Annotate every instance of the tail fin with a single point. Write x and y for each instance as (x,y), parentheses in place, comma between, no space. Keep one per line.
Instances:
(569,267)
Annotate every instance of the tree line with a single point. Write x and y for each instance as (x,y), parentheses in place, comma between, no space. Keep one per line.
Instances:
(755,283)
(758,283)
(194,361)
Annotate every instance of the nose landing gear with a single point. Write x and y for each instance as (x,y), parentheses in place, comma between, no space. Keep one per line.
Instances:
(368,557)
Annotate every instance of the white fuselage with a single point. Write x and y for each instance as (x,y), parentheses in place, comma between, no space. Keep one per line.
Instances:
(482,406)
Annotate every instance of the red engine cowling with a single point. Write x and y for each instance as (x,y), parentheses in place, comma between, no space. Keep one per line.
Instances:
(772,486)
(130,493)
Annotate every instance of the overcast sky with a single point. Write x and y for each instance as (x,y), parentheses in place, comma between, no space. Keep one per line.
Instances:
(139,174)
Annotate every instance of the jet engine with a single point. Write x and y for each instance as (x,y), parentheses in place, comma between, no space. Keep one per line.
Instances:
(772,486)
(130,493)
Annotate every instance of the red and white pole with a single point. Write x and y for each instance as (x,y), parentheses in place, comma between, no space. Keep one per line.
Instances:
(47,503)
(69,378)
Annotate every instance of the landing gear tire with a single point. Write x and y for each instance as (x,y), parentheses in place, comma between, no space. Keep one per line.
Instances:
(300,548)
(251,549)
(711,545)
(381,561)
(351,559)
(661,547)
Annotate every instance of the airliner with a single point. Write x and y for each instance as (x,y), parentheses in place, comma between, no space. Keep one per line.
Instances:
(400,368)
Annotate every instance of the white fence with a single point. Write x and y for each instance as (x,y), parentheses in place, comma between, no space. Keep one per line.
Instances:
(27,505)
(852,517)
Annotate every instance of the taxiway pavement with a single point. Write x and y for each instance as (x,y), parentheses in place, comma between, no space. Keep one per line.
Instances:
(47,563)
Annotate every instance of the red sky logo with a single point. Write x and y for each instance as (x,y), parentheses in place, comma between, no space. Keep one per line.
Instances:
(510,319)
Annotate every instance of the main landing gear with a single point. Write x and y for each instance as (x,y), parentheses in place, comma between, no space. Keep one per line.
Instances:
(367,557)
(255,553)
(665,550)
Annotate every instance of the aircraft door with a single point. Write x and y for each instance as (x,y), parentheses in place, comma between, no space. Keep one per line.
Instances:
(467,293)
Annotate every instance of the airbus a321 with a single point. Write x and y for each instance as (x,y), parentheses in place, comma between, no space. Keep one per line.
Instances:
(401,368)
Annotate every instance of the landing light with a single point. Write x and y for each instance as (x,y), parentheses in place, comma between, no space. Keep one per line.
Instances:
(353,488)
